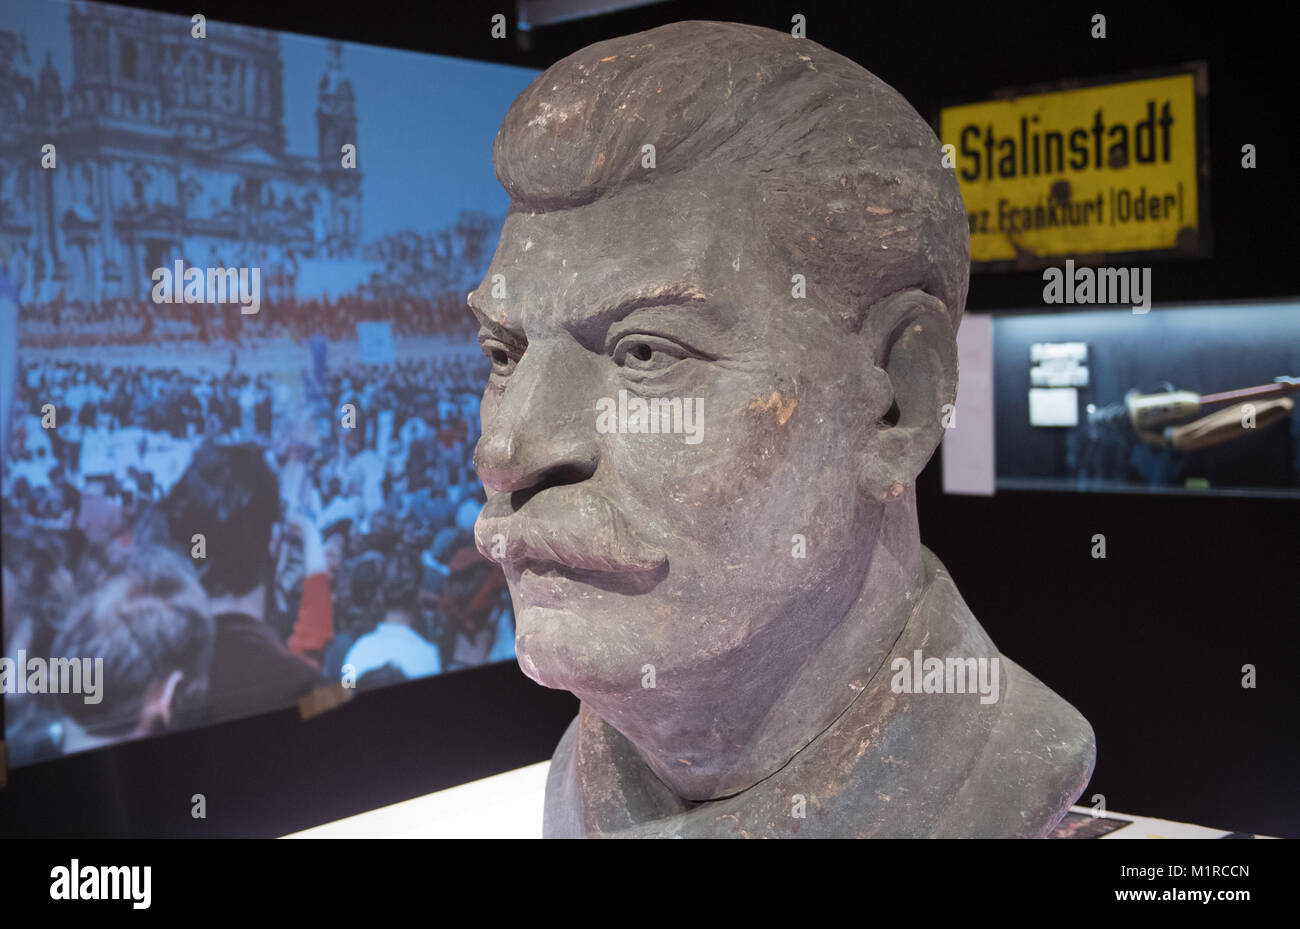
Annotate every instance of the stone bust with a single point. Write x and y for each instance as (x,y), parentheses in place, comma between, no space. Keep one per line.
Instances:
(721,321)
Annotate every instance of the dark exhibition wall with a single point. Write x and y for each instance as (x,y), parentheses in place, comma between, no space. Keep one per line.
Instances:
(1148,643)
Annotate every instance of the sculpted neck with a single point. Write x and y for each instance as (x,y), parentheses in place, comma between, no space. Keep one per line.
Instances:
(746,733)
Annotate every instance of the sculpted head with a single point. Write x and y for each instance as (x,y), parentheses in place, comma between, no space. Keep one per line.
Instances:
(790,262)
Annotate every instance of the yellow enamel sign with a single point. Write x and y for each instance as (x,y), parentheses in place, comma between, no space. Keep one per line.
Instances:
(1106,169)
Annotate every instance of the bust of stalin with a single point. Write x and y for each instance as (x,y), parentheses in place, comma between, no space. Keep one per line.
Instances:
(738,595)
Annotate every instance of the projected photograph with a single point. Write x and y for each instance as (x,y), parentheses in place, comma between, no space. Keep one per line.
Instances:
(1187,399)
(240,386)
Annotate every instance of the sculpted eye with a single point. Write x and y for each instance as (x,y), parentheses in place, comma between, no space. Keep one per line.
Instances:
(502,358)
(640,352)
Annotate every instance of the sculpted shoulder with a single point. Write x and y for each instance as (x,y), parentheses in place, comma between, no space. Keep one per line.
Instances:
(1038,759)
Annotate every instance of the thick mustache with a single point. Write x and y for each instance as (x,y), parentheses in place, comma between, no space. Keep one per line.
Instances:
(569,525)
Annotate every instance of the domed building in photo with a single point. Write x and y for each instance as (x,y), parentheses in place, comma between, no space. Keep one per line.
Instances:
(168,147)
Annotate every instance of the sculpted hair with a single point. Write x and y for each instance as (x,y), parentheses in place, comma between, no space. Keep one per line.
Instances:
(854,192)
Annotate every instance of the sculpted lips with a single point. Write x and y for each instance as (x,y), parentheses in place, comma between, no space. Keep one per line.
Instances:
(567,525)
(551,585)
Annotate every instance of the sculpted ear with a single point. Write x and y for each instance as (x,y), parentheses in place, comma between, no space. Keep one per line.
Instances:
(915,347)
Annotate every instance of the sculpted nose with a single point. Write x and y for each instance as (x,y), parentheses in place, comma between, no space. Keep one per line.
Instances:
(543,431)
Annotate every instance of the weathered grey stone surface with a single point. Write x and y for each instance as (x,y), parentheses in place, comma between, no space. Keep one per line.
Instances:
(893,766)
(756,229)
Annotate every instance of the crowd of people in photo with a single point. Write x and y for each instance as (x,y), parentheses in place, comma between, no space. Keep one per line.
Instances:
(229,539)
(121,321)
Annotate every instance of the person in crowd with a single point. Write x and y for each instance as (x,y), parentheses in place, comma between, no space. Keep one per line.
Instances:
(394,639)
(470,594)
(150,621)
(314,629)
(230,497)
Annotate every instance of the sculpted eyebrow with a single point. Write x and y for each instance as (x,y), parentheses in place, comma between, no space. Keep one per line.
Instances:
(675,295)
(599,321)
